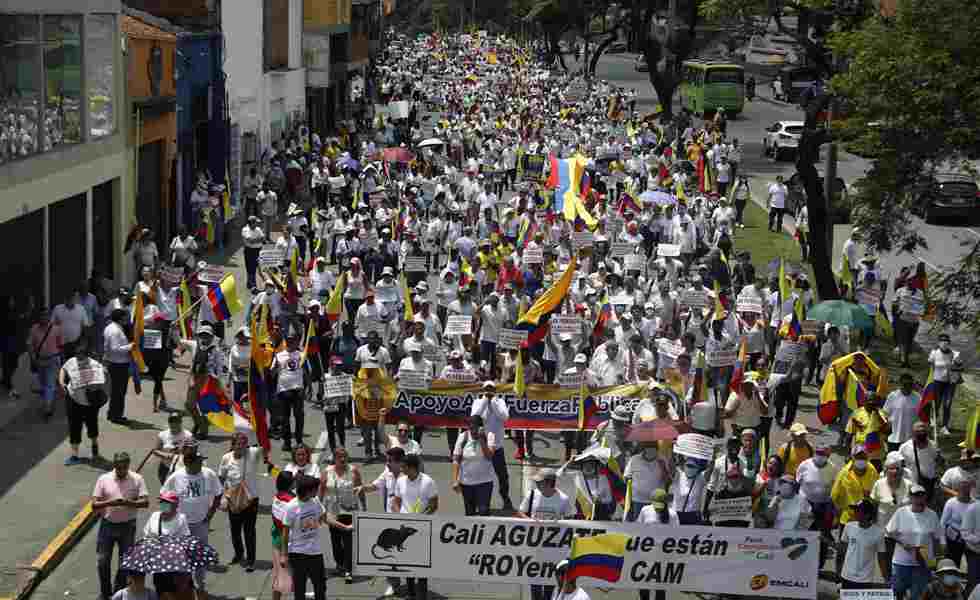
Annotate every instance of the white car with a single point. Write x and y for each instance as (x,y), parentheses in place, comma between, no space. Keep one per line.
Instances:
(782,137)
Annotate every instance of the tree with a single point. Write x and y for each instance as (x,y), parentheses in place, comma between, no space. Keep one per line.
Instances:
(914,76)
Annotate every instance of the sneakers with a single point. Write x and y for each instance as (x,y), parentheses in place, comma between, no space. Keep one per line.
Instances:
(348,578)
(945,431)
(72,460)
(389,591)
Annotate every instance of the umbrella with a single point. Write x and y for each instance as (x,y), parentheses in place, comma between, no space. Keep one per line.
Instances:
(398,155)
(431,142)
(169,554)
(655,431)
(350,163)
(660,198)
(842,314)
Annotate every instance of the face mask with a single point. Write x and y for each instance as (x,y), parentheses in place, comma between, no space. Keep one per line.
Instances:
(691,472)
(166,507)
(860,464)
(650,453)
(820,460)
(786,490)
(951,580)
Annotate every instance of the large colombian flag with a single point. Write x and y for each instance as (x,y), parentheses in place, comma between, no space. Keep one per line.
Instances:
(215,405)
(224,298)
(536,321)
(599,557)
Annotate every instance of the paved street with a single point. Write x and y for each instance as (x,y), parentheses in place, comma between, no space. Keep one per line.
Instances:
(40,495)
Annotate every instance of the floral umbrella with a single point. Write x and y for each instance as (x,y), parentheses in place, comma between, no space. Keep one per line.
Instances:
(169,554)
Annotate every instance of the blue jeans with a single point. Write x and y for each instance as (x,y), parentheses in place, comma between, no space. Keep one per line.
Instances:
(913,580)
(542,592)
(110,535)
(46,379)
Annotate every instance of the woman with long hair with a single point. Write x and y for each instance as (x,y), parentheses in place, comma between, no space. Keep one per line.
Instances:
(337,493)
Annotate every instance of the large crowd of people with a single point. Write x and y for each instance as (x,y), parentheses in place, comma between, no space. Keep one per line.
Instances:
(360,248)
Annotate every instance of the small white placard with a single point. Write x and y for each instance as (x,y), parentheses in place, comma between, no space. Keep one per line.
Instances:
(511,339)
(459,325)
(211,274)
(415,264)
(152,339)
(340,386)
(272,256)
(571,325)
(534,256)
(668,250)
(413,380)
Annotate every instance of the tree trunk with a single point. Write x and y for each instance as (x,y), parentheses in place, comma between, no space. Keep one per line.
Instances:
(807,155)
(600,49)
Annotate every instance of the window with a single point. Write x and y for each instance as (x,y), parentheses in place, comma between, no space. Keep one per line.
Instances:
(63,81)
(725,76)
(100,44)
(21,87)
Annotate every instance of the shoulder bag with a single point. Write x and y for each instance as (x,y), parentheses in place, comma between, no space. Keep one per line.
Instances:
(238,498)
(36,360)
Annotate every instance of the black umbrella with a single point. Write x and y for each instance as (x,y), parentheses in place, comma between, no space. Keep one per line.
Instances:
(169,554)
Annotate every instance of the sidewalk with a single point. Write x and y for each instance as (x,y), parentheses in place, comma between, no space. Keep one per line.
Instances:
(39,494)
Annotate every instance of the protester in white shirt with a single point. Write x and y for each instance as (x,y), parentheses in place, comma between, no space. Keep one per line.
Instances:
(473,474)
(902,409)
(862,542)
(918,535)
(301,537)
(777,204)
(238,472)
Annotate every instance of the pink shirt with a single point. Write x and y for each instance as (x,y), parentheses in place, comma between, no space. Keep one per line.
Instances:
(109,487)
(52,344)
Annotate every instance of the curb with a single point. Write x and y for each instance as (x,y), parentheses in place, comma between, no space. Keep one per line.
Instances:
(55,551)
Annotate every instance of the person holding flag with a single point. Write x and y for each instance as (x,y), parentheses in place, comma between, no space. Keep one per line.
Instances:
(207,360)
(868,426)
(287,371)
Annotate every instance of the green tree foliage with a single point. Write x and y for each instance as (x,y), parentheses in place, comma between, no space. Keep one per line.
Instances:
(910,89)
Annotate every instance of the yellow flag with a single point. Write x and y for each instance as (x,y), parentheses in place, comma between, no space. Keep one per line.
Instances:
(520,388)
(335,305)
(407,298)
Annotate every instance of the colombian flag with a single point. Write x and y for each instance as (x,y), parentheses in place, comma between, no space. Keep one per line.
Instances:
(224,298)
(258,388)
(214,404)
(617,485)
(184,301)
(599,557)
(587,408)
(335,305)
(929,396)
(605,313)
(537,320)
(738,373)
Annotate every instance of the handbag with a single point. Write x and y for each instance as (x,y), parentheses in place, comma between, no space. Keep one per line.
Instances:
(238,498)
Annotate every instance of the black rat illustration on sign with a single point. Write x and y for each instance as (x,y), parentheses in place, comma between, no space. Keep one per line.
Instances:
(392,539)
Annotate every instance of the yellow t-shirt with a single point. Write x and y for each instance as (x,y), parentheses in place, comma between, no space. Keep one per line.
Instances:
(796,456)
(850,488)
(861,424)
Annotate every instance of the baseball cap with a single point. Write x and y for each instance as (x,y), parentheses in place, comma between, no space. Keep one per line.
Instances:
(797,429)
(916,489)
(858,449)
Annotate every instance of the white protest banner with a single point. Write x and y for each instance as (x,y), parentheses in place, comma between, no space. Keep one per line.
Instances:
(510,339)
(500,550)
(386,293)
(211,274)
(571,380)
(634,262)
(721,358)
(914,307)
(399,110)
(569,324)
(171,275)
(459,325)
(582,239)
(748,304)
(436,355)
(617,249)
(694,299)
(789,351)
(87,376)
(622,300)
(878,594)
(152,339)
(272,256)
(668,351)
(668,250)
(337,182)
(694,445)
(415,264)
(534,256)
(731,509)
(413,380)
(340,386)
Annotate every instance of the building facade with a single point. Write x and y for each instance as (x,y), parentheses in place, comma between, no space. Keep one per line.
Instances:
(326,54)
(63,159)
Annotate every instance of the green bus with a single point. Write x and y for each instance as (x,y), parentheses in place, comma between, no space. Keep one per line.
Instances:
(707,85)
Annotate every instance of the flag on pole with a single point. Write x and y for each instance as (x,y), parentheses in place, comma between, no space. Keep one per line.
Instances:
(186,331)
(537,320)
(223,298)
(214,404)
(599,557)
(409,315)
(137,349)
(335,305)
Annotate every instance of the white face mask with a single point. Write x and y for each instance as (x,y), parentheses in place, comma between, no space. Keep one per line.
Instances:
(820,460)
(860,464)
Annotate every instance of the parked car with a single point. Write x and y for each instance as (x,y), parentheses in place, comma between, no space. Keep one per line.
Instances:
(947,195)
(840,206)
(782,138)
(640,64)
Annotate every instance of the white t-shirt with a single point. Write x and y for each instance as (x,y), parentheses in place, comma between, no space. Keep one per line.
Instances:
(687,492)
(415,495)
(196,492)
(916,529)
(303,520)
(72,321)
(385,483)
(157,527)
(474,467)
(942,363)
(927,459)
(547,508)
(647,476)
(579,594)
(290,371)
(230,469)
(902,412)
(777,195)
(863,546)
(790,512)
(648,516)
(312,469)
